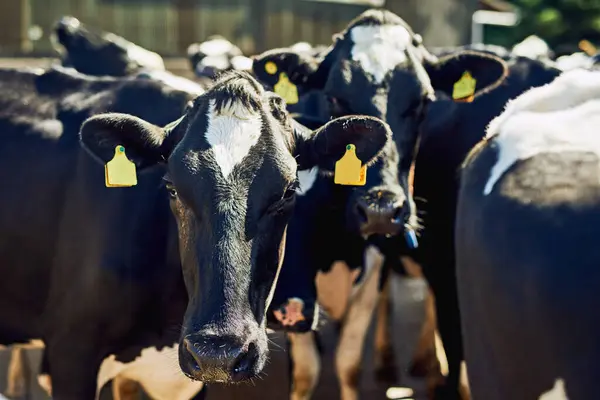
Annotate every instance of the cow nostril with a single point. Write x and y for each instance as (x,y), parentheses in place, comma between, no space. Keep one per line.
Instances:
(362,214)
(244,365)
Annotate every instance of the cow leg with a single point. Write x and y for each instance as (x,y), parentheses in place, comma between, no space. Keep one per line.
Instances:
(18,373)
(448,317)
(44,379)
(385,362)
(425,361)
(355,325)
(74,364)
(126,389)
(306,364)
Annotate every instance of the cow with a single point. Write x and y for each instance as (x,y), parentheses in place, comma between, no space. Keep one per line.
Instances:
(105,54)
(188,256)
(448,132)
(94,52)
(216,55)
(378,66)
(528,204)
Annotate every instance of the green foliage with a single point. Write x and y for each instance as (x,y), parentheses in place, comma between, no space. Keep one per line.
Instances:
(562,23)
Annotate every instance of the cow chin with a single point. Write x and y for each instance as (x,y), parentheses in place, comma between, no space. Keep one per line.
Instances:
(224,355)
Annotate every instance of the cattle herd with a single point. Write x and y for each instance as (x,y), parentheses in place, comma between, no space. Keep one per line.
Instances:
(483,177)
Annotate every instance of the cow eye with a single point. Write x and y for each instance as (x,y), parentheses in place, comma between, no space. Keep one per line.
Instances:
(171,190)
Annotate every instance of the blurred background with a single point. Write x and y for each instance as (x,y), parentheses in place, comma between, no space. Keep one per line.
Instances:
(169,26)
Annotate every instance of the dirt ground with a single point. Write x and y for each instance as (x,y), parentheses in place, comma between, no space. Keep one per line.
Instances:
(407,295)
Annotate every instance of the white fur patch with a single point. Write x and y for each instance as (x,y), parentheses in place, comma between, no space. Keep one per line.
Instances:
(379,48)
(573,61)
(533,47)
(231,133)
(241,63)
(556,393)
(176,82)
(157,371)
(215,47)
(145,58)
(307,179)
(560,116)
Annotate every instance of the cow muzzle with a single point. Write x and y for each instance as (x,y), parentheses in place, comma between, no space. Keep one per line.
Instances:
(211,357)
(381,213)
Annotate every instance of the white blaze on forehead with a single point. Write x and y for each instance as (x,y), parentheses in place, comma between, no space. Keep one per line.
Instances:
(231,132)
(560,116)
(379,48)
(307,179)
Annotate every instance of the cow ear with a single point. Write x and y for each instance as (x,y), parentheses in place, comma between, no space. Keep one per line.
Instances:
(303,69)
(144,143)
(488,71)
(326,145)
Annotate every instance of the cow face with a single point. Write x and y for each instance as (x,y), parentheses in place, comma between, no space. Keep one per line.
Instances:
(100,53)
(378,67)
(232,162)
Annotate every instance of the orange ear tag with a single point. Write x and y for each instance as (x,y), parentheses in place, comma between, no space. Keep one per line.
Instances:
(349,169)
(120,172)
(464,88)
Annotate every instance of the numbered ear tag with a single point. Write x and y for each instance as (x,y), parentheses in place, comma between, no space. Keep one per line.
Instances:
(120,172)
(349,169)
(411,238)
(286,89)
(464,88)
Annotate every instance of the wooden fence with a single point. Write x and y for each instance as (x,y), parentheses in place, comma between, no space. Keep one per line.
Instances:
(169,26)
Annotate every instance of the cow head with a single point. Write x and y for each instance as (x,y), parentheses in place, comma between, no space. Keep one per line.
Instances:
(100,53)
(213,56)
(232,161)
(377,66)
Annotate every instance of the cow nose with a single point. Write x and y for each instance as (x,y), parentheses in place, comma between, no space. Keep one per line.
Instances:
(380,213)
(212,358)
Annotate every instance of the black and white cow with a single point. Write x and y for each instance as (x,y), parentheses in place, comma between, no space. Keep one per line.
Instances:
(527,221)
(197,244)
(95,52)
(216,55)
(378,66)
(106,54)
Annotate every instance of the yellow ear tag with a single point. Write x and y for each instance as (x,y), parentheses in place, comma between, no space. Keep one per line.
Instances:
(348,169)
(120,172)
(286,89)
(270,67)
(464,88)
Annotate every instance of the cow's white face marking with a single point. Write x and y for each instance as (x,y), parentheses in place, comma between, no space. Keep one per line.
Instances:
(379,48)
(231,133)
(560,116)
(307,179)
(557,392)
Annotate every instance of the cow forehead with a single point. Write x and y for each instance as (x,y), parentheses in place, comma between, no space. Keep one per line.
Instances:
(379,48)
(231,132)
